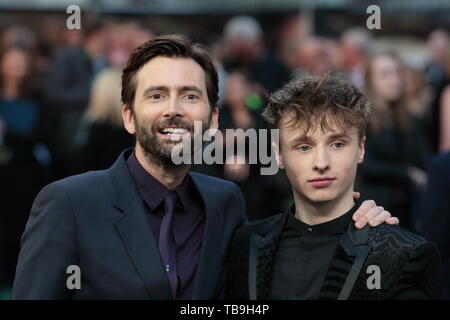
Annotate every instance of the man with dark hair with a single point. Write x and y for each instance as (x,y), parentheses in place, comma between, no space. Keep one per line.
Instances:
(144,228)
(68,85)
(313,251)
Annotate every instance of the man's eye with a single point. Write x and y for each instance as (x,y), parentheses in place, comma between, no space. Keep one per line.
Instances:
(338,145)
(192,97)
(155,96)
(304,148)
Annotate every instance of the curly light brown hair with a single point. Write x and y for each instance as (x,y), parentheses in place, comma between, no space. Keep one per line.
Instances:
(330,100)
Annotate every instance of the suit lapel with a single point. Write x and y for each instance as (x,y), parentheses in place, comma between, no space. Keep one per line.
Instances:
(208,270)
(135,231)
(346,265)
(137,236)
(262,248)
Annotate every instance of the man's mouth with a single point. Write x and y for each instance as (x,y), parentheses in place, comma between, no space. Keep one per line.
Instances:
(321,182)
(173,133)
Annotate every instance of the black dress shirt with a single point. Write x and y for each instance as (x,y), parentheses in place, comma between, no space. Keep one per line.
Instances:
(303,256)
(188,222)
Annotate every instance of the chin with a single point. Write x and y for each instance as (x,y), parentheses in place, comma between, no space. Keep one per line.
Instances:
(321,196)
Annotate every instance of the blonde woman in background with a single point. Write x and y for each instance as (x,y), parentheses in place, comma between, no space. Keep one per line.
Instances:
(102,136)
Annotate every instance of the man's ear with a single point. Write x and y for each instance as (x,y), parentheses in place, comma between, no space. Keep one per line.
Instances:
(214,123)
(278,156)
(128,119)
(361,150)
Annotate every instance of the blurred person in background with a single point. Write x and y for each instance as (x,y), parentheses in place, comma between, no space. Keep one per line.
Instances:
(245,50)
(438,40)
(102,136)
(444,141)
(242,110)
(69,81)
(442,111)
(435,218)
(294,30)
(353,44)
(418,98)
(18,35)
(124,37)
(311,58)
(316,56)
(4,290)
(37,50)
(392,172)
(437,74)
(22,157)
(236,114)
(333,55)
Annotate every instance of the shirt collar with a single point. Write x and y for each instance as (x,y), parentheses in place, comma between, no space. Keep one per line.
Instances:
(151,190)
(335,226)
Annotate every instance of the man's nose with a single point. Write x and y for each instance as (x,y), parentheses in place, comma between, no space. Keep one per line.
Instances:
(321,161)
(174,108)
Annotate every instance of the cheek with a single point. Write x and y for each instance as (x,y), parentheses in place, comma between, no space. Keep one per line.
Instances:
(296,170)
(347,170)
(200,112)
(148,116)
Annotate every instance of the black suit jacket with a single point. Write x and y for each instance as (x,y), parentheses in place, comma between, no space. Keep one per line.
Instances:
(97,221)
(435,214)
(410,266)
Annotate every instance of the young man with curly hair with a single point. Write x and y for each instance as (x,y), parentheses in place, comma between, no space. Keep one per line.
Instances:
(313,251)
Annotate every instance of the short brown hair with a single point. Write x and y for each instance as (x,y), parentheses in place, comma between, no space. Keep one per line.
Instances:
(172,46)
(331,99)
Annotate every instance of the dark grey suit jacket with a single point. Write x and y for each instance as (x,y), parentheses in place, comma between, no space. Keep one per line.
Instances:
(97,221)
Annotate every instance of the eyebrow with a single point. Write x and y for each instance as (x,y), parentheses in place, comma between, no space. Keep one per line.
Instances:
(335,136)
(301,138)
(165,88)
(340,135)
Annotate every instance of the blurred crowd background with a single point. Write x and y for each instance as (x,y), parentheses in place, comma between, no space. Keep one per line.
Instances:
(60,108)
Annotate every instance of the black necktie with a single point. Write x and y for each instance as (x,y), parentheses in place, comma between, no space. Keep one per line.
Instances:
(167,246)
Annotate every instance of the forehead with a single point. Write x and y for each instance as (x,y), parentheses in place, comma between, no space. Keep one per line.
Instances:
(385,62)
(171,73)
(14,55)
(315,130)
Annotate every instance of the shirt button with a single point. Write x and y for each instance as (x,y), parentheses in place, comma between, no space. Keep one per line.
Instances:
(309,229)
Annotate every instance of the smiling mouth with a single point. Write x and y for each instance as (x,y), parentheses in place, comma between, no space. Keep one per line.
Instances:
(174,133)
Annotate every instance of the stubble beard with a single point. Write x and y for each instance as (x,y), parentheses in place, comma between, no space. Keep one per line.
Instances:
(158,152)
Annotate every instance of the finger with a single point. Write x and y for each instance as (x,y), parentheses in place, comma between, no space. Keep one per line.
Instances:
(363,209)
(393,221)
(373,212)
(381,218)
(356,195)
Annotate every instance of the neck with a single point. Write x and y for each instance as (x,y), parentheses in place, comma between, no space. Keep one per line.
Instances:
(312,213)
(11,89)
(169,177)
